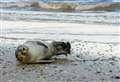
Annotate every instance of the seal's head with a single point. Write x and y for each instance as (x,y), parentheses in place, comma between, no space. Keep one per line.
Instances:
(22,53)
(62,48)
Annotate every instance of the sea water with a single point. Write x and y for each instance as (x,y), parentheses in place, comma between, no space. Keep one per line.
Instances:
(23,13)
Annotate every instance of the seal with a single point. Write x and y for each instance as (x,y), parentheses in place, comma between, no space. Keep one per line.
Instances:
(40,52)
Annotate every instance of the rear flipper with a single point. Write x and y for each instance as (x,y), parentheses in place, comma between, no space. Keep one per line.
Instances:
(45,61)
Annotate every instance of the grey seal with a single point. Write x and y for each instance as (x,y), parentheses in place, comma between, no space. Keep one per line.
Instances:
(38,51)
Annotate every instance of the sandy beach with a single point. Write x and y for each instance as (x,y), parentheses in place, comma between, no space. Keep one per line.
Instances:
(95,53)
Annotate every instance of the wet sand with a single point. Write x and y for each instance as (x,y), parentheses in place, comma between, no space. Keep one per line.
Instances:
(65,31)
(88,62)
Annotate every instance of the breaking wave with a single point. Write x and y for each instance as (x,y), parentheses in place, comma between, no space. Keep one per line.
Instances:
(62,6)
(99,13)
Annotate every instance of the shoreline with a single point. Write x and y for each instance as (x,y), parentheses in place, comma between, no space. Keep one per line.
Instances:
(68,31)
(11,24)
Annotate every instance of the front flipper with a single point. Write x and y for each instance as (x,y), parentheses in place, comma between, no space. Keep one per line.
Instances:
(45,61)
